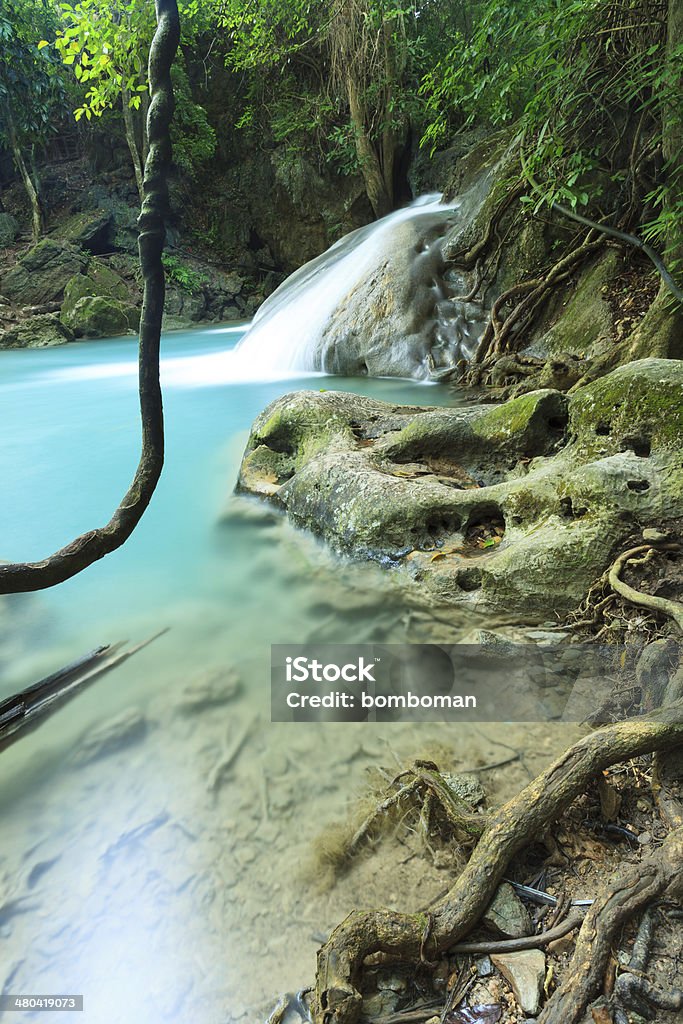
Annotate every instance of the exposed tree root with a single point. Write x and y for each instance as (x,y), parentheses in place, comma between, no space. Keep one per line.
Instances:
(418,937)
(468,258)
(672,609)
(500,333)
(424,780)
(634,889)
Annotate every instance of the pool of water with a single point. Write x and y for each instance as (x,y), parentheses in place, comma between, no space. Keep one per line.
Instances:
(142,875)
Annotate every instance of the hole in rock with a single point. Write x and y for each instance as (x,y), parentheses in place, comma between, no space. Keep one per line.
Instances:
(640,446)
(279,441)
(570,510)
(485,527)
(637,485)
(469,579)
(441,524)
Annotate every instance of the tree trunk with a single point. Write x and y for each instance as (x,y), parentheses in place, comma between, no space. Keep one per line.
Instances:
(672,128)
(131,139)
(144,110)
(375,182)
(22,577)
(37,220)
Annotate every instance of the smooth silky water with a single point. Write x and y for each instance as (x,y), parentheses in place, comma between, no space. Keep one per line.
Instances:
(128,878)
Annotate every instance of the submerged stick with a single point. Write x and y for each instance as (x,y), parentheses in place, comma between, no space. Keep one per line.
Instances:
(26,710)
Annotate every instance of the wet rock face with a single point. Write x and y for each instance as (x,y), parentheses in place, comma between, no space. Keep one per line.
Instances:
(401,319)
(42,274)
(40,331)
(517,507)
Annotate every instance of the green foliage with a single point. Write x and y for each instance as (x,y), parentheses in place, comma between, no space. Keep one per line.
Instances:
(193,138)
(587,81)
(286,51)
(181,274)
(106,44)
(30,81)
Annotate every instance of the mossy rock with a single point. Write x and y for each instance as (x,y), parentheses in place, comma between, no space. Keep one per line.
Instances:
(41,331)
(583,324)
(637,407)
(42,274)
(9,229)
(515,508)
(96,316)
(99,280)
(90,229)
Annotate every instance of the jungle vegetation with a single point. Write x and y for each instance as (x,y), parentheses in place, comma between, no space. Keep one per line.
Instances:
(594,87)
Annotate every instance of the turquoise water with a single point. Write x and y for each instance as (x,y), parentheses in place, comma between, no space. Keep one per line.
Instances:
(130,878)
(68,449)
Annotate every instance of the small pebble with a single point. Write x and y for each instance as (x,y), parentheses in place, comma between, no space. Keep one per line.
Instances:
(644,838)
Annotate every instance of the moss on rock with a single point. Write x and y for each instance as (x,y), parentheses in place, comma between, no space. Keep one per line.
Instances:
(96,316)
(638,406)
(394,483)
(41,331)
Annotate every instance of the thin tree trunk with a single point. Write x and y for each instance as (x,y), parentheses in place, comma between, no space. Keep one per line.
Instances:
(144,110)
(131,139)
(86,549)
(371,170)
(672,127)
(37,221)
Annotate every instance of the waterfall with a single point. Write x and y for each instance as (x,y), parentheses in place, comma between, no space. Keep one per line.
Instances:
(375,303)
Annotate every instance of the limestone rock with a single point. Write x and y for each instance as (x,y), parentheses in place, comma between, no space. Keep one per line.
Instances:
(467,787)
(525,973)
(41,331)
(42,274)
(506,914)
(655,665)
(90,229)
(100,280)
(97,304)
(209,690)
(556,484)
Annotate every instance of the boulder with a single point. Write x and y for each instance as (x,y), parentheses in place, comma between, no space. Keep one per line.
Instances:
(100,280)
(9,229)
(97,316)
(91,229)
(515,508)
(41,331)
(42,274)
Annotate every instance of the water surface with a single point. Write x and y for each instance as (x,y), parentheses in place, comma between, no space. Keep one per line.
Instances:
(141,879)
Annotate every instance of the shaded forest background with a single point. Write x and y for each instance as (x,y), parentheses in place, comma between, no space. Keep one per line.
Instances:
(298,121)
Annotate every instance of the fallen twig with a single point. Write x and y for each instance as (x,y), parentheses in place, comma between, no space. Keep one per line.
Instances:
(571,922)
(26,710)
(226,761)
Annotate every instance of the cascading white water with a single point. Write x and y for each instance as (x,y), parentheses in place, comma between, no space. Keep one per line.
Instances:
(374,303)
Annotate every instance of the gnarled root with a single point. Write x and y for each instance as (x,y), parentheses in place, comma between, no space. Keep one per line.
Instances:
(623,897)
(416,937)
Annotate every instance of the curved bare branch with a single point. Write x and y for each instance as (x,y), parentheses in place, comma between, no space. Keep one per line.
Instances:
(20,577)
